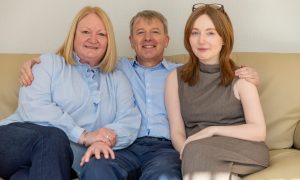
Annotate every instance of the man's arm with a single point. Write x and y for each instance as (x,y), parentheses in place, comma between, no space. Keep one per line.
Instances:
(26,76)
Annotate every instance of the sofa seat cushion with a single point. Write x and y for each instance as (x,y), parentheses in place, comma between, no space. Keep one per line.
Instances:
(284,164)
(297,137)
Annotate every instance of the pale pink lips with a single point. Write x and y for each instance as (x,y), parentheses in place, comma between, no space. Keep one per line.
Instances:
(202,49)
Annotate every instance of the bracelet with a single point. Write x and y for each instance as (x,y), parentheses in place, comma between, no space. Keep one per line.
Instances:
(84,133)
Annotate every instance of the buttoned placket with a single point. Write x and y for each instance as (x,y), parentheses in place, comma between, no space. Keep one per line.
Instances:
(148,93)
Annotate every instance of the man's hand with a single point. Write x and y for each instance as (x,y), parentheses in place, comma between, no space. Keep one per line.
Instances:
(96,149)
(26,76)
(249,74)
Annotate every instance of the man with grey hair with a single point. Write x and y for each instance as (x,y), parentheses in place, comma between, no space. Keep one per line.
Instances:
(152,155)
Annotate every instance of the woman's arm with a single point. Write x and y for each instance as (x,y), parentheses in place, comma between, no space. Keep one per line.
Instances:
(36,103)
(255,127)
(128,118)
(172,102)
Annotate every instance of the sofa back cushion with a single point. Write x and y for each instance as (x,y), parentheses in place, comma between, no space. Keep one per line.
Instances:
(279,92)
(9,81)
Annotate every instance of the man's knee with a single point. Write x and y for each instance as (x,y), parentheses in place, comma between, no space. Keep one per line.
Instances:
(163,174)
(102,169)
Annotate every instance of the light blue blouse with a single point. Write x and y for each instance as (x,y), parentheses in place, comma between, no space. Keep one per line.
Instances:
(77,97)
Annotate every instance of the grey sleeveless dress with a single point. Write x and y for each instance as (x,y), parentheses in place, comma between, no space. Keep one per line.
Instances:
(208,104)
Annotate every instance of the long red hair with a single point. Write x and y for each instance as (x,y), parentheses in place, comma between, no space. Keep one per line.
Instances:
(189,73)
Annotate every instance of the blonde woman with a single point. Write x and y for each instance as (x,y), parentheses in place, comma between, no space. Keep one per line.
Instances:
(77,93)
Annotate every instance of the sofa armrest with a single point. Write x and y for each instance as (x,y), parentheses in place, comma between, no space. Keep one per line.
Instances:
(297,136)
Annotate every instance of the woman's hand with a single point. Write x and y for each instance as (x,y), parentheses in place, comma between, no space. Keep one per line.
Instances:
(96,149)
(204,133)
(26,76)
(105,135)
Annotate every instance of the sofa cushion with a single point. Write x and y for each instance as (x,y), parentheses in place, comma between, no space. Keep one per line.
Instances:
(279,93)
(297,137)
(284,164)
(9,79)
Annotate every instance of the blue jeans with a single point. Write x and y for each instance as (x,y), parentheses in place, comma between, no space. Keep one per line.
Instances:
(30,151)
(146,159)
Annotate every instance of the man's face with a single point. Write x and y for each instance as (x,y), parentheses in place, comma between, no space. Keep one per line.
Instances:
(148,40)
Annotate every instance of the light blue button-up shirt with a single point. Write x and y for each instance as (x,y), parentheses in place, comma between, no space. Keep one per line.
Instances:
(148,86)
(77,97)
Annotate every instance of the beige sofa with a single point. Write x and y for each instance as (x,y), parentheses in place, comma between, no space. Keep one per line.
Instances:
(279,91)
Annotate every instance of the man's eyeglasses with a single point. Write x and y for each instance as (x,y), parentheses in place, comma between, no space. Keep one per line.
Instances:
(202,5)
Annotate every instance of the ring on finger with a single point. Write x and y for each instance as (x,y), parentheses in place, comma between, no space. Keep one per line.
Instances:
(108,137)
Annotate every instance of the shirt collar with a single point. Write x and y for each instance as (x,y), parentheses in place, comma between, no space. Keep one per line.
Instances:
(84,66)
(163,64)
(76,58)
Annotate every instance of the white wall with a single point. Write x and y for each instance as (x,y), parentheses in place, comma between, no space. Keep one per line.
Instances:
(36,26)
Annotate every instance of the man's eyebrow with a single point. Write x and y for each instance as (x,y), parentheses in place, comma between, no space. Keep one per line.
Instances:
(139,29)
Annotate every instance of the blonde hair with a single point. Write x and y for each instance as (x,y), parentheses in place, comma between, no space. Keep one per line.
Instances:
(109,60)
(190,71)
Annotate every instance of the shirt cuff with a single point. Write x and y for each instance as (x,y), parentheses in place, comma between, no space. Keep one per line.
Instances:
(76,133)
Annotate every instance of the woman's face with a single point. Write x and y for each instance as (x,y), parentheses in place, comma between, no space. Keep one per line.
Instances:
(205,41)
(90,40)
